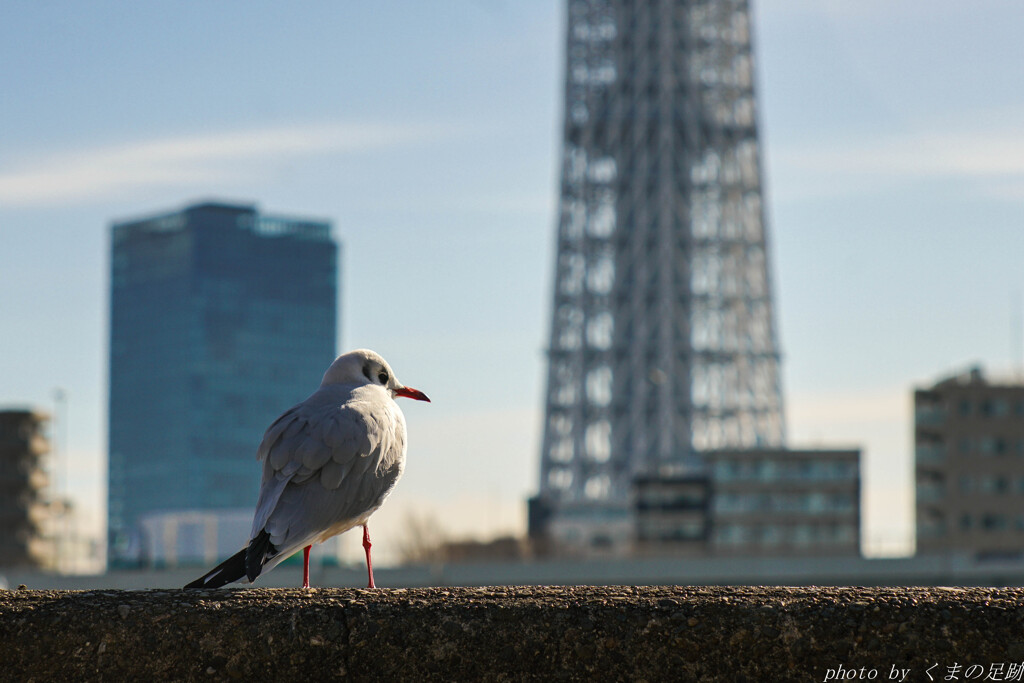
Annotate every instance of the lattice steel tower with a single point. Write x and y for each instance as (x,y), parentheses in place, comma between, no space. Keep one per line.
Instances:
(662,339)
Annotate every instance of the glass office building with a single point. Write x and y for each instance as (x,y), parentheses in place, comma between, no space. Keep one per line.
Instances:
(220,319)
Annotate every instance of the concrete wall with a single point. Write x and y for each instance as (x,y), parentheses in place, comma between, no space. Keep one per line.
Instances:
(513,633)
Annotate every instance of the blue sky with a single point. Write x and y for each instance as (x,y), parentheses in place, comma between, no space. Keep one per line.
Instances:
(429,134)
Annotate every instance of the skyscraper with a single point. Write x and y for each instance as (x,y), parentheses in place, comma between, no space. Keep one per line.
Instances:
(663,342)
(220,319)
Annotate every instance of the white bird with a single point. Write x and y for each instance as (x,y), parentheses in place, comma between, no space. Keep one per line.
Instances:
(328,464)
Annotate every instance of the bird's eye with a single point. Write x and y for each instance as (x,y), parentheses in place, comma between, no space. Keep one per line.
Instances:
(383,377)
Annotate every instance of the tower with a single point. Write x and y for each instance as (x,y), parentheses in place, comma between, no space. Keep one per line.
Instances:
(221,318)
(662,342)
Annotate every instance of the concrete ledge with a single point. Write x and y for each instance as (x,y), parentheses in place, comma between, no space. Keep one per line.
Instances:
(511,633)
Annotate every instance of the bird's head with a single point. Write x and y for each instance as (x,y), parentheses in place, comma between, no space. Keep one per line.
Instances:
(362,367)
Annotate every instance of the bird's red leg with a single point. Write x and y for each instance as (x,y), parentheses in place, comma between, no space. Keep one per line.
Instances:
(305,566)
(366,546)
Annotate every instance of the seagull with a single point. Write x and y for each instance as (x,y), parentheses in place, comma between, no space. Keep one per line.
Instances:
(328,464)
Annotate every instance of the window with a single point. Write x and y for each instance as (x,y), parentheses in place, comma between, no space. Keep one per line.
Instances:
(993,522)
(733,534)
(771,535)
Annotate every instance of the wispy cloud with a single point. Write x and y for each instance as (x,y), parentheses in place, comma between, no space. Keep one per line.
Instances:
(867,11)
(988,157)
(982,153)
(190,159)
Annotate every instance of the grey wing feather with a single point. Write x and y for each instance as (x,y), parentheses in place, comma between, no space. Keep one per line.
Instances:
(270,493)
(273,433)
(279,467)
(332,474)
(313,452)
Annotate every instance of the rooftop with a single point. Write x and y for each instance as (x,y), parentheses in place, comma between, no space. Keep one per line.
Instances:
(244,216)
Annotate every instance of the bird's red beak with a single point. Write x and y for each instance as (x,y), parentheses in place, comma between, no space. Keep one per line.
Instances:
(414,394)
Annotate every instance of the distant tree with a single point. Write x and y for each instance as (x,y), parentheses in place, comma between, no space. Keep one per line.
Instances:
(423,540)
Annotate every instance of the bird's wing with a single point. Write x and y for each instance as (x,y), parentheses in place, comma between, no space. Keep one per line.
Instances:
(326,465)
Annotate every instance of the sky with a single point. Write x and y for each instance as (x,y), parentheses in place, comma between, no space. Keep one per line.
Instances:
(428,133)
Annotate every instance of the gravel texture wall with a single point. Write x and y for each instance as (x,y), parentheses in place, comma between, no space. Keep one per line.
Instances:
(515,634)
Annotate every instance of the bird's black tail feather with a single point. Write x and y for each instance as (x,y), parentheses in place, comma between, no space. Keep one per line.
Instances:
(247,562)
(228,571)
(259,550)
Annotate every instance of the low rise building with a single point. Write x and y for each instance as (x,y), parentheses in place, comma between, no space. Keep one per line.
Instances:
(969,466)
(672,513)
(24,510)
(772,501)
(785,502)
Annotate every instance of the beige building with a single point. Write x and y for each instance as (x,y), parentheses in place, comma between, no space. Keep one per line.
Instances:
(969,466)
(23,508)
